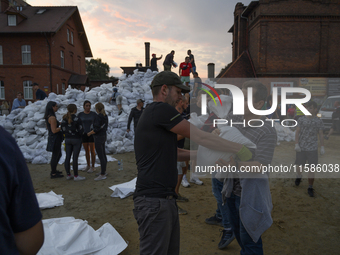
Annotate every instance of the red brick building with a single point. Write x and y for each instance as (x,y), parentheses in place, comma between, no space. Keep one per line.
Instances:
(46,45)
(280,38)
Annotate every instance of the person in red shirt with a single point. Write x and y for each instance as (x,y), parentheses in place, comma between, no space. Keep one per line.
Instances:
(184,71)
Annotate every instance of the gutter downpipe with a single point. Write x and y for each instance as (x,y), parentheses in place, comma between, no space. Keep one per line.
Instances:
(251,62)
(49,53)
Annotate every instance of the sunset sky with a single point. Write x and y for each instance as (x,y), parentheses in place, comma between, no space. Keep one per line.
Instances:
(117,30)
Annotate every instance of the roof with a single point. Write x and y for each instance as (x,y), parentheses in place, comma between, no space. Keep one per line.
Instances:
(249,8)
(77,79)
(51,19)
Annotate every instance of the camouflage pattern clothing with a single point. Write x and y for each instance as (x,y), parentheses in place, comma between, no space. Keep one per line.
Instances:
(309,129)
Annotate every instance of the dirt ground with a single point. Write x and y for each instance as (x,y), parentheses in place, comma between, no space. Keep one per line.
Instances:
(302,225)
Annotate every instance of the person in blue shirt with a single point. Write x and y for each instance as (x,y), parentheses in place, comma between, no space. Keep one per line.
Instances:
(19,102)
(39,94)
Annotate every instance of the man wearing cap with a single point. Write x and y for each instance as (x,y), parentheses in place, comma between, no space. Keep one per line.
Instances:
(39,94)
(135,114)
(156,153)
(117,99)
(169,61)
(154,62)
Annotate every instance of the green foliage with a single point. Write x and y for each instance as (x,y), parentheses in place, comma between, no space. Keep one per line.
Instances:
(97,70)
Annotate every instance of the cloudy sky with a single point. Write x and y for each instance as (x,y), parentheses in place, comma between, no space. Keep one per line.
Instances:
(117,30)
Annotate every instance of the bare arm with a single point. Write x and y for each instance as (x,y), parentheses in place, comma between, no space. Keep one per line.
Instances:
(160,57)
(184,155)
(53,121)
(297,132)
(205,139)
(30,241)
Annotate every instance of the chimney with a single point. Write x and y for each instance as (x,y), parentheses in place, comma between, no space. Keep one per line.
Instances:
(211,70)
(4,4)
(147,54)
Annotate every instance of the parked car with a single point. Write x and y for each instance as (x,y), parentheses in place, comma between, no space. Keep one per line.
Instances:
(326,111)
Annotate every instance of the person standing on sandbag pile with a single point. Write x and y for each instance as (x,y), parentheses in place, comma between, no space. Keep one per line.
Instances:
(87,117)
(99,131)
(117,99)
(55,137)
(72,127)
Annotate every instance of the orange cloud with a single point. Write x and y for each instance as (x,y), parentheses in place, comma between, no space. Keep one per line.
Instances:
(117,15)
(107,9)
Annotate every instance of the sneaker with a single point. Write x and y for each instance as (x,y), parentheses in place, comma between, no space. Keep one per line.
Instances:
(100,177)
(214,221)
(79,178)
(182,199)
(310,192)
(69,177)
(181,211)
(195,180)
(57,175)
(85,169)
(227,237)
(297,181)
(97,174)
(91,170)
(120,112)
(185,182)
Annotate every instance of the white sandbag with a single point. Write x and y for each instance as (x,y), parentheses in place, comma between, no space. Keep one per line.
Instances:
(39,160)
(207,157)
(49,200)
(124,190)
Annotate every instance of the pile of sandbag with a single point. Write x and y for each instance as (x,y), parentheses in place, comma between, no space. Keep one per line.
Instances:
(28,126)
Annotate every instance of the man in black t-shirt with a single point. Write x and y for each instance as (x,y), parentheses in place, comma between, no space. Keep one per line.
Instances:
(21,229)
(197,84)
(156,152)
(39,94)
(154,62)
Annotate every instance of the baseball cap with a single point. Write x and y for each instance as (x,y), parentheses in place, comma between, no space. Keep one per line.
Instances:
(170,79)
(35,84)
(140,101)
(153,54)
(115,89)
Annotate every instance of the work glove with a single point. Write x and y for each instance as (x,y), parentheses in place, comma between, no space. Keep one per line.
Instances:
(297,148)
(322,151)
(244,154)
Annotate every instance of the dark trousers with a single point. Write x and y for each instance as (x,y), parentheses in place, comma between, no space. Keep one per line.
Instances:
(222,210)
(247,244)
(56,154)
(99,143)
(72,146)
(158,225)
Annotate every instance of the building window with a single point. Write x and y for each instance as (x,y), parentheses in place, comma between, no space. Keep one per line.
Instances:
(2,90)
(68,35)
(1,61)
(62,59)
(63,88)
(71,37)
(26,54)
(12,20)
(28,91)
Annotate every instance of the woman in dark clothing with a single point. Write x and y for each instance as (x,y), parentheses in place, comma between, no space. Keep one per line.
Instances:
(55,137)
(87,117)
(72,127)
(99,131)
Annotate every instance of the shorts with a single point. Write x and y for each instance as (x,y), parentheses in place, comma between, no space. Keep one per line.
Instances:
(119,99)
(179,167)
(185,78)
(87,139)
(306,156)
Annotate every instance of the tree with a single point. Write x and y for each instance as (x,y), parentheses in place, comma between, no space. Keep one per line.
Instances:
(97,70)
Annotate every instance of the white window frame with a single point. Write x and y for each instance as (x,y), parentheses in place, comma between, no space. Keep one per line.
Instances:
(1,58)
(71,37)
(63,88)
(62,59)
(28,90)
(26,54)
(12,20)
(2,90)
(68,35)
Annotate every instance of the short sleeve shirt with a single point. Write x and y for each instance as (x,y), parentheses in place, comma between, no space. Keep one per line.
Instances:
(19,210)
(309,129)
(17,103)
(193,62)
(40,95)
(87,120)
(156,151)
(187,67)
